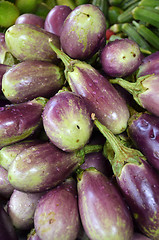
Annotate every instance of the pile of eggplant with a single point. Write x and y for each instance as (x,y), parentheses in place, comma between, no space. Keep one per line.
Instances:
(79,129)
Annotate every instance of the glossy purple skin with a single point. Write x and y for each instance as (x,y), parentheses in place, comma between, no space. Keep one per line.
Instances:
(7,231)
(17,121)
(42,167)
(140,187)
(55,19)
(139,236)
(143,129)
(21,208)
(149,99)
(83,32)
(56,215)
(30,79)
(98,161)
(100,95)
(30,18)
(6,188)
(121,57)
(67,121)
(103,212)
(149,65)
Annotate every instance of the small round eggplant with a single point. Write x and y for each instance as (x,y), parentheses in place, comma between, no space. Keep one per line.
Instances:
(55,19)
(30,18)
(143,130)
(103,212)
(121,57)
(6,188)
(21,207)
(83,32)
(30,79)
(56,215)
(18,121)
(29,42)
(149,65)
(42,166)
(100,95)
(8,153)
(67,121)
(7,231)
(138,182)
(145,91)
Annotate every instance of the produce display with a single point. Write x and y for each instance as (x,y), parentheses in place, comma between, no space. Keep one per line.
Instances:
(79,120)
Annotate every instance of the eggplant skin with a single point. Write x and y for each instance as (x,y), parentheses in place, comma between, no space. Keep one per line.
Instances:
(56,215)
(83,32)
(103,212)
(140,187)
(143,129)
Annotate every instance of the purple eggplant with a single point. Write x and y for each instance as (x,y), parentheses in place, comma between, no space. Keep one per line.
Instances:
(29,42)
(7,231)
(103,212)
(3,69)
(145,91)
(44,166)
(18,121)
(56,215)
(83,32)
(55,19)
(30,79)
(100,95)
(67,121)
(121,57)
(149,65)
(6,57)
(6,188)
(30,18)
(143,130)
(21,207)
(9,152)
(138,182)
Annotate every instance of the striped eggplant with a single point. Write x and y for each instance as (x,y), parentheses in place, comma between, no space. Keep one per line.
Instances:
(56,215)
(30,79)
(143,130)
(138,182)
(19,121)
(103,212)
(100,95)
(67,121)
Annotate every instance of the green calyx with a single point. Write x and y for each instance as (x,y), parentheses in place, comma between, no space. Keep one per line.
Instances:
(117,153)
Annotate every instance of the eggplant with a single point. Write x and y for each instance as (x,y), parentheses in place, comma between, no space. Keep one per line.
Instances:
(29,42)
(44,166)
(21,207)
(19,121)
(7,231)
(83,32)
(55,19)
(100,95)
(149,65)
(137,180)
(103,212)
(56,215)
(33,235)
(67,121)
(9,152)
(143,130)
(3,69)
(144,91)
(6,189)
(6,57)
(139,236)
(30,79)
(30,18)
(121,57)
